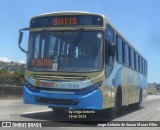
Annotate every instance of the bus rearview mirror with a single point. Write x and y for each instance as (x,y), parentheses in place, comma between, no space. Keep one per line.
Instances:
(20,37)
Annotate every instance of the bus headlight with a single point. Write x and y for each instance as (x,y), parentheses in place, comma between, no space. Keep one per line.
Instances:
(89,89)
(30,86)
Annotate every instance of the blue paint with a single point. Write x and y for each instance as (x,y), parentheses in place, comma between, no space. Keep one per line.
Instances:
(93,100)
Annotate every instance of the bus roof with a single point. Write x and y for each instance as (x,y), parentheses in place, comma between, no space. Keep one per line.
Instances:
(70,12)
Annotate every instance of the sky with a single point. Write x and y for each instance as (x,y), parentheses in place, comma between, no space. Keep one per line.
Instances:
(138,21)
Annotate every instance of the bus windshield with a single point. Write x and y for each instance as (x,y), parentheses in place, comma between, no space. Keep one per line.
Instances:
(72,51)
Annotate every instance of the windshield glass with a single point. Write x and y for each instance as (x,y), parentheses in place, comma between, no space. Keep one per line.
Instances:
(72,51)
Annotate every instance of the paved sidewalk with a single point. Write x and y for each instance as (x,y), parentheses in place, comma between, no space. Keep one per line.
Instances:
(13,97)
(153,96)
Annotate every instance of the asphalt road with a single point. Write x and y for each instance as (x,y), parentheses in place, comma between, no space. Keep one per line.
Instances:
(15,110)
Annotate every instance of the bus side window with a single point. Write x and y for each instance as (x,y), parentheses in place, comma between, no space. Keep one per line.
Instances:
(126,54)
(109,40)
(136,61)
(140,65)
(146,68)
(129,53)
(119,47)
(132,59)
(123,52)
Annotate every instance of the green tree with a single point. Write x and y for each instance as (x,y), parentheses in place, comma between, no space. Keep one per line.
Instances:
(15,78)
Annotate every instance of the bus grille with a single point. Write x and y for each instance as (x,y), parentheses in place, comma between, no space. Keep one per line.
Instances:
(56,101)
(58,78)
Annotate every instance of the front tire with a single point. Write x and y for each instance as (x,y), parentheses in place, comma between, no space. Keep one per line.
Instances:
(139,104)
(58,111)
(117,105)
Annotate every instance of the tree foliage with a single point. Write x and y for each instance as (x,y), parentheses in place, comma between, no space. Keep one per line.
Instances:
(11,78)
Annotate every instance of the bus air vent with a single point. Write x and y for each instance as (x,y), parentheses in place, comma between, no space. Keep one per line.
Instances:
(58,78)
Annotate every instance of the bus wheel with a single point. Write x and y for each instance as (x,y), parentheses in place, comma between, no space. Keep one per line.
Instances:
(58,111)
(139,104)
(117,105)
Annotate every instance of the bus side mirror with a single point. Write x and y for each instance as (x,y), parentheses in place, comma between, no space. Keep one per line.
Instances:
(20,39)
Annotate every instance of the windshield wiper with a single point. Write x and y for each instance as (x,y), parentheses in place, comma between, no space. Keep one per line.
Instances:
(48,37)
(75,42)
(46,33)
(77,38)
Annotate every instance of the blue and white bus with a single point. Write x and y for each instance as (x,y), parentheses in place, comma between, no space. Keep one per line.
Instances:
(79,60)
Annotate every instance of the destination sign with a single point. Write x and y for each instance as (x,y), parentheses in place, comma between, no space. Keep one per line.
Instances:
(66,20)
(42,62)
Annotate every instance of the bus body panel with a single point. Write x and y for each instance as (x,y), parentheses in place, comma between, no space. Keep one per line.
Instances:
(130,82)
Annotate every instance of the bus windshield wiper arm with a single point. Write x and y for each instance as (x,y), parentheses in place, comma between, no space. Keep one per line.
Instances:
(75,41)
(46,34)
(77,38)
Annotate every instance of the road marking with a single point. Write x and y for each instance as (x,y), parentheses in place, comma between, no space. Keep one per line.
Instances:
(36,111)
(17,100)
(153,97)
(133,119)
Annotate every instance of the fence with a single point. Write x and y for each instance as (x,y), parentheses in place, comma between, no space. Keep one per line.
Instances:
(11,91)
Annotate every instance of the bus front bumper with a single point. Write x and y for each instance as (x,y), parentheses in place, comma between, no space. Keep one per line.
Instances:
(93,100)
